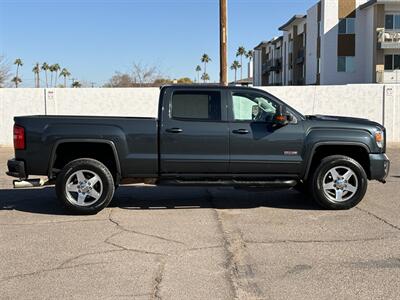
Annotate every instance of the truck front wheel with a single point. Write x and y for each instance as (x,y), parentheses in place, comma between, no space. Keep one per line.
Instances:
(85,186)
(339,182)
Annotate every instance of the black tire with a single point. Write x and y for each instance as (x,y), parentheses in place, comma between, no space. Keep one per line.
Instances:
(104,187)
(342,164)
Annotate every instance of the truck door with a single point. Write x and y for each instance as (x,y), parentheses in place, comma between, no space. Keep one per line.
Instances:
(257,145)
(194,132)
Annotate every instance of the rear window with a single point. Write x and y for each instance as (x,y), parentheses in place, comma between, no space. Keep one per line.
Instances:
(196,105)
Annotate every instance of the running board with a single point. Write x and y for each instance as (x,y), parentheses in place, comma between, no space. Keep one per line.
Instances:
(30,183)
(234,183)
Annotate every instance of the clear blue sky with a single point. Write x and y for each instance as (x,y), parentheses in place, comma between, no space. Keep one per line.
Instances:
(95,38)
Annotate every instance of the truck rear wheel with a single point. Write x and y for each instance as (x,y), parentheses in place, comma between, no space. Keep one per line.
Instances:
(85,186)
(339,182)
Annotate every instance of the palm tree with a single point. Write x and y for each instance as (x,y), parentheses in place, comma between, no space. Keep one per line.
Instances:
(16,79)
(249,56)
(205,77)
(76,84)
(240,52)
(235,66)
(65,73)
(205,59)
(45,68)
(36,72)
(198,70)
(56,68)
(51,69)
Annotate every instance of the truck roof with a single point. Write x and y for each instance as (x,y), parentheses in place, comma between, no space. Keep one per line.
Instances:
(203,86)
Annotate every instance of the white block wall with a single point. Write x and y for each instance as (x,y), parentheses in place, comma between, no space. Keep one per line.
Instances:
(380,103)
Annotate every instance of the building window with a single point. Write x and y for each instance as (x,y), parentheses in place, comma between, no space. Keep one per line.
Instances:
(346,64)
(392,22)
(392,62)
(319,28)
(347,26)
(319,66)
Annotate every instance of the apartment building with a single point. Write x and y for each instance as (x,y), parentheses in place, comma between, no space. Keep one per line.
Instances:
(268,57)
(294,48)
(341,42)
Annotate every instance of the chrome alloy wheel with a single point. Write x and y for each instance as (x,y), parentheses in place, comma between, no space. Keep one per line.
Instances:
(340,184)
(83,188)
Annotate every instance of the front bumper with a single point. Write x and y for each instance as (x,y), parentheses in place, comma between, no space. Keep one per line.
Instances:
(379,166)
(16,168)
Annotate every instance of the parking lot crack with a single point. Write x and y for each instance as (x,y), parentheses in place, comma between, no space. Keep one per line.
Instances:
(114,244)
(158,280)
(319,241)
(205,248)
(72,259)
(38,272)
(379,218)
(112,220)
(240,271)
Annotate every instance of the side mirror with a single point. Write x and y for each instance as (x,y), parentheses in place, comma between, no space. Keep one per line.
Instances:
(281,118)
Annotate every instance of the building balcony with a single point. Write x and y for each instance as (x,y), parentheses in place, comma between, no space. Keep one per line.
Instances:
(272,65)
(388,39)
(300,56)
(266,67)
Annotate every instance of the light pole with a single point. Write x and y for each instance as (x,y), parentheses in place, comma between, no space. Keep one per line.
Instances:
(223,41)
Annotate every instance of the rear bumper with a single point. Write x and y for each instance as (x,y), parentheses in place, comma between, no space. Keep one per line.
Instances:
(379,167)
(16,168)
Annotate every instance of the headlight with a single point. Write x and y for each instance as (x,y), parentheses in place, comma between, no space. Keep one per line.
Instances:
(380,138)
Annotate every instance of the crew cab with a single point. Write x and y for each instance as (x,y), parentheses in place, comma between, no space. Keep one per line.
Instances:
(203,135)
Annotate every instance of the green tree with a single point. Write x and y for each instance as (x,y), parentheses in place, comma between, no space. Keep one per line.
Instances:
(56,68)
(36,73)
(205,59)
(76,84)
(205,77)
(18,62)
(235,66)
(184,80)
(16,80)
(240,52)
(51,69)
(45,68)
(198,70)
(65,73)
(249,56)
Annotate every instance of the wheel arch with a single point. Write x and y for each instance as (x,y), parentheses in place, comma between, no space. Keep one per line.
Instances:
(356,150)
(106,144)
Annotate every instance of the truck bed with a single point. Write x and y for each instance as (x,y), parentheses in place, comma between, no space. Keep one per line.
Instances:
(135,139)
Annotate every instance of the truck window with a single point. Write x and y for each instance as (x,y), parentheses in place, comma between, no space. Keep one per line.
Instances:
(253,107)
(196,105)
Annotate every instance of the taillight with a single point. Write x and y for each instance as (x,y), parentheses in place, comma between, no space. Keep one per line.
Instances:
(19,137)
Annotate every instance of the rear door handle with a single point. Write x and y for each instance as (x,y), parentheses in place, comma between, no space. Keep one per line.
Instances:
(240,131)
(174,130)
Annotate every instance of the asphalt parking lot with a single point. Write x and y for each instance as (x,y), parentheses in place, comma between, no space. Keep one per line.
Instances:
(197,243)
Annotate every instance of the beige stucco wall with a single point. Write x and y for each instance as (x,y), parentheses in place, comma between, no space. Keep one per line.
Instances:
(364,101)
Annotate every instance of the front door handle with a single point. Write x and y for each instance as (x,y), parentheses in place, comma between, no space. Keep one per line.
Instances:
(240,131)
(174,130)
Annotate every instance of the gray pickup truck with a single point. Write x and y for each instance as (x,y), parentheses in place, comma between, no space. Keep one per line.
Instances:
(204,135)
